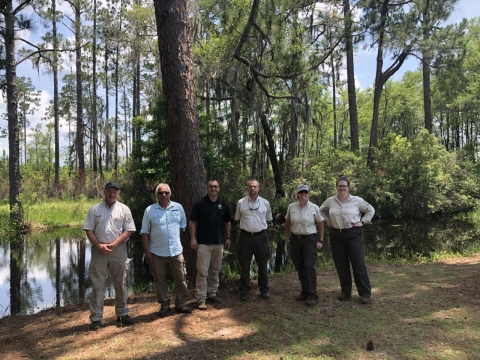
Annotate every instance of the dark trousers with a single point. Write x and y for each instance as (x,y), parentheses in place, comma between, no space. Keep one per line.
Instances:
(348,247)
(303,251)
(248,246)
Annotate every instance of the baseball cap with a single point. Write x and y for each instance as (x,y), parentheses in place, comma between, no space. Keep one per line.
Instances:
(112,184)
(302,187)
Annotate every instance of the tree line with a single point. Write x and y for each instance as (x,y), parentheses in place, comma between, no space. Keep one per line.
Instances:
(192,90)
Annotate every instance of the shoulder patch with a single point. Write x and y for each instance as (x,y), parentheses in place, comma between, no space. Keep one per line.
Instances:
(128,218)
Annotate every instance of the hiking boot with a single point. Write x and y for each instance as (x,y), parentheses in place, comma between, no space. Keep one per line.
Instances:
(163,312)
(301,297)
(365,300)
(125,320)
(244,296)
(215,300)
(311,302)
(95,325)
(265,295)
(201,305)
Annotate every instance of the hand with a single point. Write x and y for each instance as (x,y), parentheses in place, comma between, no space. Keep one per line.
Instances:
(148,258)
(329,223)
(287,240)
(194,244)
(319,245)
(105,249)
(357,224)
(227,244)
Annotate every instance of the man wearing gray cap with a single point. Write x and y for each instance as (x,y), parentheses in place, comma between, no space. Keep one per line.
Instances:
(108,225)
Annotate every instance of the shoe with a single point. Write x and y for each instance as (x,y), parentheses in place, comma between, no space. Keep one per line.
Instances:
(301,298)
(265,295)
(163,312)
(311,302)
(125,320)
(201,305)
(344,296)
(365,300)
(184,310)
(215,300)
(95,325)
(244,296)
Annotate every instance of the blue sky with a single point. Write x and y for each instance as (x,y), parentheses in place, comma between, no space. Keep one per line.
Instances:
(364,72)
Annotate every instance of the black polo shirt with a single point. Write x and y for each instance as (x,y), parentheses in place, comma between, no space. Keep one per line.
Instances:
(211,218)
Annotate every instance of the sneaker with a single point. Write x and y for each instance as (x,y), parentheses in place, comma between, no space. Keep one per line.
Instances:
(95,325)
(215,300)
(201,305)
(265,295)
(365,300)
(183,309)
(344,296)
(125,320)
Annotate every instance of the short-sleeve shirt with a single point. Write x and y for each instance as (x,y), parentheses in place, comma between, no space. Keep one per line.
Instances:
(253,215)
(109,223)
(163,227)
(343,215)
(303,221)
(211,218)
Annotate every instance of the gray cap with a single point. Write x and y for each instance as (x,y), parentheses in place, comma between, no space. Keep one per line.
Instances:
(302,187)
(112,184)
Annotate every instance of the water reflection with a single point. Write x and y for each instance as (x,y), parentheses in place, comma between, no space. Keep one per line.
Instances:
(50,269)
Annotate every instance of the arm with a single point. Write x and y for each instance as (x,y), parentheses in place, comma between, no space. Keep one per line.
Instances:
(146,249)
(192,226)
(228,228)
(287,231)
(321,230)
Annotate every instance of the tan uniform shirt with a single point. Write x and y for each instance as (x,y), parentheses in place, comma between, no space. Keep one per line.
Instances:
(303,221)
(343,215)
(109,223)
(253,215)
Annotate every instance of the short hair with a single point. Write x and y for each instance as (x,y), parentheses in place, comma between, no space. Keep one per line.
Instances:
(212,180)
(252,180)
(342,178)
(162,184)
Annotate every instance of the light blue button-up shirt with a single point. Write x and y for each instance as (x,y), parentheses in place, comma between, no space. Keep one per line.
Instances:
(163,227)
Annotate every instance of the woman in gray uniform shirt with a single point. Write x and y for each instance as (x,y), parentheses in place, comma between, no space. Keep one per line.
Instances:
(343,215)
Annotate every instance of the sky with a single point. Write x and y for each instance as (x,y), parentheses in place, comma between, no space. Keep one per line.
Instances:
(364,73)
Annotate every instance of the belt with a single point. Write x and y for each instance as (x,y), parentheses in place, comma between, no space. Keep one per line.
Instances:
(252,233)
(344,230)
(301,236)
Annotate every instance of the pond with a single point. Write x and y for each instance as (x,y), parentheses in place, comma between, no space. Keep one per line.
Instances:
(50,269)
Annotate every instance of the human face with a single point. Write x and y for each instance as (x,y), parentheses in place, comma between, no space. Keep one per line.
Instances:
(253,188)
(342,187)
(213,188)
(111,195)
(163,194)
(302,196)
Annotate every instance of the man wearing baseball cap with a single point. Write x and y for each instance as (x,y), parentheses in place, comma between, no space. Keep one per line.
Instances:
(108,225)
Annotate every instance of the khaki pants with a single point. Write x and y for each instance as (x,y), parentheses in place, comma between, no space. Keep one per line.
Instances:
(209,264)
(176,265)
(117,262)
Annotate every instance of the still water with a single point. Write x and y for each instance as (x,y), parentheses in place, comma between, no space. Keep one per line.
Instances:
(50,269)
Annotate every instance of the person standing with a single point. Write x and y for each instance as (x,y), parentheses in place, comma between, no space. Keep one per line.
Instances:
(160,231)
(253,212)
(301,223)
(108,226)
(210,216)
(345,215)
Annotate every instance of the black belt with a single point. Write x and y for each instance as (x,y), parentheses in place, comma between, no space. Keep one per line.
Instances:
(344,230)
(252,233)
(301,236)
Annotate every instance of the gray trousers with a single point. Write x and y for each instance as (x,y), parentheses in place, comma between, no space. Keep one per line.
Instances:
(117,262)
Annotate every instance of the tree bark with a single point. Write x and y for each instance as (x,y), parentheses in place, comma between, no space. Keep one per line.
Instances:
(182,128)
(80,128)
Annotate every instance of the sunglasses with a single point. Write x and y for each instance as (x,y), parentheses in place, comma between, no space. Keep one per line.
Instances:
(303,192)
(163,193)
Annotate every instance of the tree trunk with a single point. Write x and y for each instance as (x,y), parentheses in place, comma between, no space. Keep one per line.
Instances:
(56,116)
(182,128)
(352,96)
(94,100)
(80,128)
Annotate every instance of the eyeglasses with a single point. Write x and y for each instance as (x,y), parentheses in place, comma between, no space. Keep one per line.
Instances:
(303,192)
(342,186)
(213,186)
(163,193)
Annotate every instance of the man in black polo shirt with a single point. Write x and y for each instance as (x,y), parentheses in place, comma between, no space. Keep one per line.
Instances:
(210,215)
